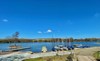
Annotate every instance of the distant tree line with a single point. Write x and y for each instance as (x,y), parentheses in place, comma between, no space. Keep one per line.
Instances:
(14,39)
(49,40)
(88,39)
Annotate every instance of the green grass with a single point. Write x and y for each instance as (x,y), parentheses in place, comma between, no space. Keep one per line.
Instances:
(97,55)
(54,58)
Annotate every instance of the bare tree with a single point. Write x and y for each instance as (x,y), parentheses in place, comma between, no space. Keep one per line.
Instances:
(15,36)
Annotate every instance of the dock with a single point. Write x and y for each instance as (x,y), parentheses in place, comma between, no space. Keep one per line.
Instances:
(18,49)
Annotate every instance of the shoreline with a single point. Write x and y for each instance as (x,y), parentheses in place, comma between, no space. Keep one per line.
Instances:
(83,53)
(78,52)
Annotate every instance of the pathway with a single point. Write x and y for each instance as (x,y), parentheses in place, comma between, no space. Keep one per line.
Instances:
(86,58)
(86,54)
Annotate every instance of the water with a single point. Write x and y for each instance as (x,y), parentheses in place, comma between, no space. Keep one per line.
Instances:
(36,46)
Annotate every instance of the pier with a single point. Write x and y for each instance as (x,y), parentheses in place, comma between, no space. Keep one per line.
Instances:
(18,49)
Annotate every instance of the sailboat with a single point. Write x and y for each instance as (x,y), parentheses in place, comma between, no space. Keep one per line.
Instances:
(60,47)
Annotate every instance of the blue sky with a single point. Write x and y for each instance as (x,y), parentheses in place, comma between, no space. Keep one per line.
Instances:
(44,18)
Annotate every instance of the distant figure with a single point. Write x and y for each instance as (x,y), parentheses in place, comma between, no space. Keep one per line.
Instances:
(44,49)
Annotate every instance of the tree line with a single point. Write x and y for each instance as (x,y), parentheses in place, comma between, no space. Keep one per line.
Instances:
(49,40)
(14,38)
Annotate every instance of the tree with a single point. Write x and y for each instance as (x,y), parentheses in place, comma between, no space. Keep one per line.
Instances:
(15,36)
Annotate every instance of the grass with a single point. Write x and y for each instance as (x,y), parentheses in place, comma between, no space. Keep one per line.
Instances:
(54,58)
(97,55)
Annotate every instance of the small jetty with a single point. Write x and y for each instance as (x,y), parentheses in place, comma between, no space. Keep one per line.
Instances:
(19,49)
(16,47)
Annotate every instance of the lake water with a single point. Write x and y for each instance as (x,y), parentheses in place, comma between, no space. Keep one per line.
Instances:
(36,46)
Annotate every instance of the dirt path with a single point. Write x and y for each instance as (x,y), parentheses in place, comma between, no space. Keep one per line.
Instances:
(86,58)
(87,51)
(86,54)
(49,54)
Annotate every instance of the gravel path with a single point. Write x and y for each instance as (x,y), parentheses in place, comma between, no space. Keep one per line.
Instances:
(86,54)
(87,51)
(49,54)
(10,54)
(86,58)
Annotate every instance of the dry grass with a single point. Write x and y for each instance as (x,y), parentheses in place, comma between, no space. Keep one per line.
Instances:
(53,58)
(97,55)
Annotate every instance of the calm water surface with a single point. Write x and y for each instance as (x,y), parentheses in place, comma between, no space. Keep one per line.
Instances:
(36,46)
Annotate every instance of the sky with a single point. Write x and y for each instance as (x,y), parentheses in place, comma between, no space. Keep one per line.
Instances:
(50,18)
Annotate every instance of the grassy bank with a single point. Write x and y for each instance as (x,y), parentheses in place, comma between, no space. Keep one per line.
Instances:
(54,58)
(97,55)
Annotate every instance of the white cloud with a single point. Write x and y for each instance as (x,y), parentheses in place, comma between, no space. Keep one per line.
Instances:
(39,32)
(49,31)
(5,20)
